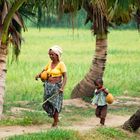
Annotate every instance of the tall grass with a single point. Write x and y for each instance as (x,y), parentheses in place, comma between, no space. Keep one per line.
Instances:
(121,76)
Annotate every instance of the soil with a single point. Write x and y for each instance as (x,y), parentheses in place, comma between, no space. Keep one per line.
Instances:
(111,120)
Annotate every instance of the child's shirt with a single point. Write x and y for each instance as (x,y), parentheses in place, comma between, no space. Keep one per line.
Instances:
(99,98)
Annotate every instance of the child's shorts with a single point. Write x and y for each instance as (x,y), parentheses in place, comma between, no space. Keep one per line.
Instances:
(101,111)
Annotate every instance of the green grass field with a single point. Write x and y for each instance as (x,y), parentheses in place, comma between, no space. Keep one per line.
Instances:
(122,69)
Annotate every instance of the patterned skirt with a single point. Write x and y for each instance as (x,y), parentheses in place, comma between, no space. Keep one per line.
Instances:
(54,99)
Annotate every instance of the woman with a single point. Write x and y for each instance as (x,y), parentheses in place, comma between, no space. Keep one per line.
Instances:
(54,84)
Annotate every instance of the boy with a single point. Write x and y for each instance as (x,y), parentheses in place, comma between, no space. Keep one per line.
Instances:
(99,100)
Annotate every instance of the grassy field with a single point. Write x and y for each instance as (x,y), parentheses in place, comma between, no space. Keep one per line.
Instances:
(122,69)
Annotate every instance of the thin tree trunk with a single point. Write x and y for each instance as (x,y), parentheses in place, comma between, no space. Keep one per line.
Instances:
(86,86)
(3,54)
(133,123)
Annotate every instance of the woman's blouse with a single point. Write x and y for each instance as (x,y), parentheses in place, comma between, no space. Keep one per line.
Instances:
(59,69)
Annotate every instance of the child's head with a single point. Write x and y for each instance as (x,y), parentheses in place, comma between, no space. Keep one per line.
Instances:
(98,82)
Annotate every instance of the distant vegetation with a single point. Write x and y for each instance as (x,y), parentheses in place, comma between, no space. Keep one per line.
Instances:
(78,22)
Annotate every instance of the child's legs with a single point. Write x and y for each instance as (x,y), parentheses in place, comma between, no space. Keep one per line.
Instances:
(103,114)
(98,111)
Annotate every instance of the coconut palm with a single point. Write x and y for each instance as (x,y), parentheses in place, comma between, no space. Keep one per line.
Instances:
(10,27)
(102,14)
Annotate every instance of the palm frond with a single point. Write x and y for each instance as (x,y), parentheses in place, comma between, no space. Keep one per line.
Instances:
(15,37)
(16,24)
(104,13)
(97,14)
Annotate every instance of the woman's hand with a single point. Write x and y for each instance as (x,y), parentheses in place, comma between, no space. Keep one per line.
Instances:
(37,76)
(61,90)
(64,82)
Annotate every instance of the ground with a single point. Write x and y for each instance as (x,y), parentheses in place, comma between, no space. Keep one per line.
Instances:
(113,120)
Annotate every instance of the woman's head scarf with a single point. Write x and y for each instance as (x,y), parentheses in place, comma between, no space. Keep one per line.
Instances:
(57,50)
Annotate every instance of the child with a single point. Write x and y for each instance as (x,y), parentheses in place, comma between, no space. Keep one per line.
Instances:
(99,100)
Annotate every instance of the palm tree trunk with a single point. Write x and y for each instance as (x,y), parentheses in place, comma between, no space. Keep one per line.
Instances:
(133,123)
(3,54)
(86,86)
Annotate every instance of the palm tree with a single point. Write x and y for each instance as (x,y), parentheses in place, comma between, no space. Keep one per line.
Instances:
(102,14)
(10,27)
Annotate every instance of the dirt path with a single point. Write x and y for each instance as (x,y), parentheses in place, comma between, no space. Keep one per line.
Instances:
(7,131)
(112,120)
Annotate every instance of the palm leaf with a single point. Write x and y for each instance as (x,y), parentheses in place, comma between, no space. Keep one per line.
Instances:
(18,19)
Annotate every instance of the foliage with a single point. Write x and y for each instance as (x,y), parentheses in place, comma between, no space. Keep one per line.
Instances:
(101,13)
(64,22)
(11,23)
(105,13)
(79,20)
